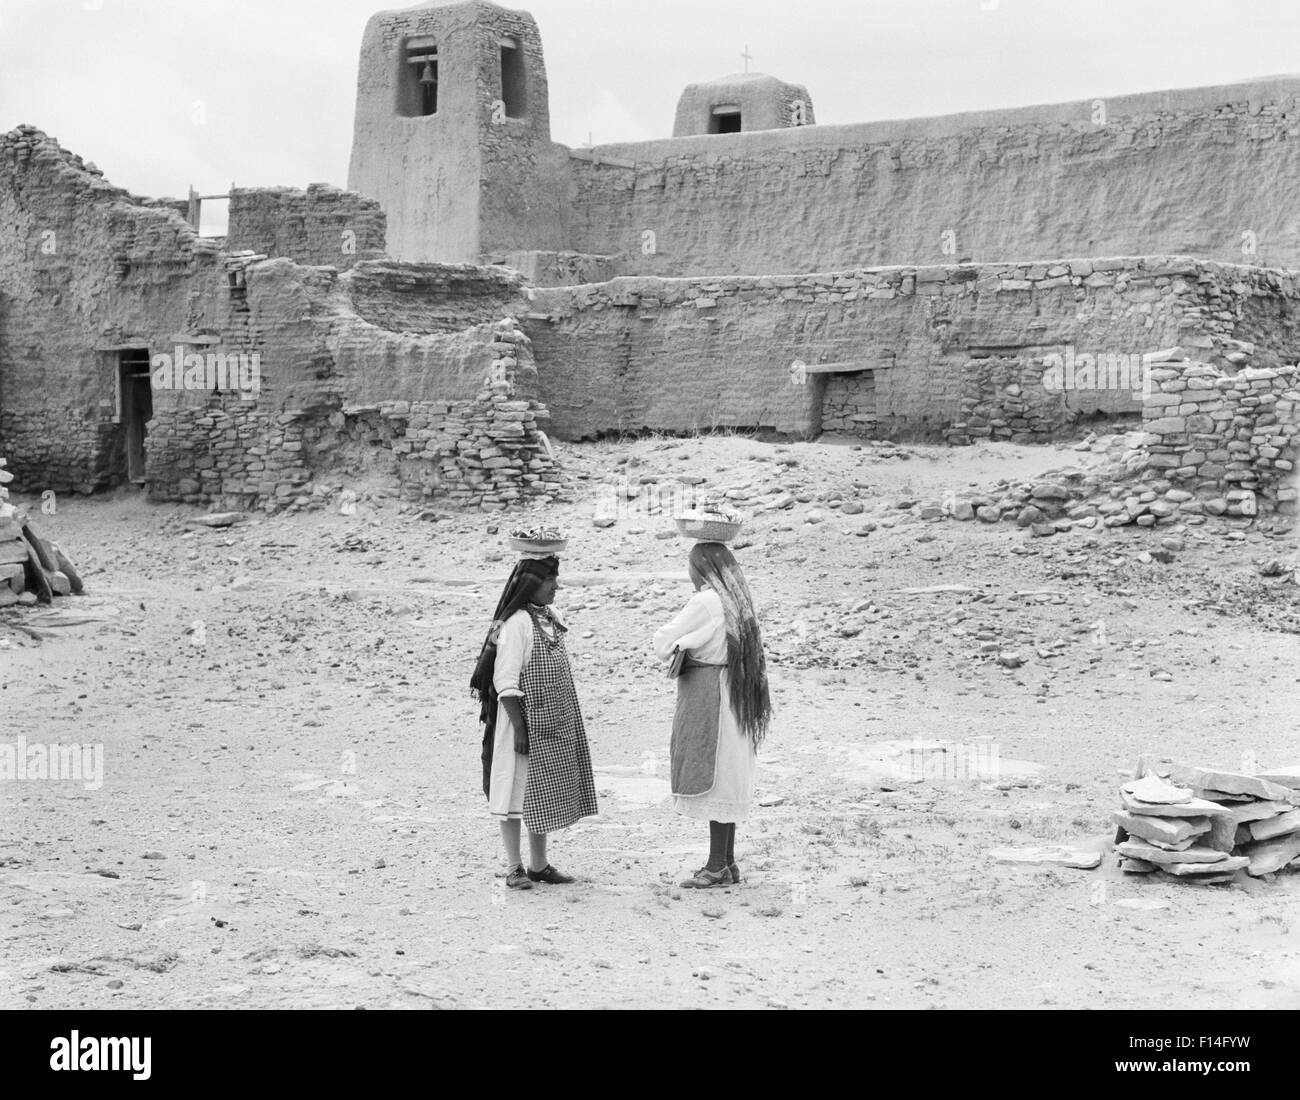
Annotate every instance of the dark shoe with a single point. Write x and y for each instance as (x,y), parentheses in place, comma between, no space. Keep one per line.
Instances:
(704,878)
(518,879)
(550,875)
(735,873)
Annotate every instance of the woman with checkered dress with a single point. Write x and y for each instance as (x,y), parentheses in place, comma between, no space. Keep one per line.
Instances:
(536,762)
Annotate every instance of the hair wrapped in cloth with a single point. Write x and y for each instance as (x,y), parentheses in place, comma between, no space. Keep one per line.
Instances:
(525,580)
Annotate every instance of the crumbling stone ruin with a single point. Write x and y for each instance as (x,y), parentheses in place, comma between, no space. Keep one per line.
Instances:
(480,289)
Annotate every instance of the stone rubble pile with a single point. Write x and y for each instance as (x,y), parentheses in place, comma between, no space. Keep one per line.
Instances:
(1212,445)
(31,569)
(1202,825)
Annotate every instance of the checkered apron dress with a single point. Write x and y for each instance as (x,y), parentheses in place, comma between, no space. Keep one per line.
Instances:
(560,788)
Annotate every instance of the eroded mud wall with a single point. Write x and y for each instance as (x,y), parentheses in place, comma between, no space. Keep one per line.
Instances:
(1206,172)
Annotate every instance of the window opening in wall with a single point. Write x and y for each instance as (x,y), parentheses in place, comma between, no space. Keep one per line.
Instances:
(135,410)
(417,82)
(725,120)
(238,290)
(513,91)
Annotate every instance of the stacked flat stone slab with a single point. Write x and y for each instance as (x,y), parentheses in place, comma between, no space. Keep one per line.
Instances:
(1202,825)
(13,550)
(24,555)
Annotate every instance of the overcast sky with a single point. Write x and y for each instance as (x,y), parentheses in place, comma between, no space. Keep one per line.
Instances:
(164,93)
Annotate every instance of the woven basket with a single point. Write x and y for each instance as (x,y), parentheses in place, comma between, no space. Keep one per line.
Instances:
(538,546)
(708,530)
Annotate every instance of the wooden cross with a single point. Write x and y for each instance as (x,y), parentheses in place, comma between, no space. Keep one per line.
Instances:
(747,56)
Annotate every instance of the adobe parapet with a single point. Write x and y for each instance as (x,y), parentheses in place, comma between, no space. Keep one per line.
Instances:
(1193,171)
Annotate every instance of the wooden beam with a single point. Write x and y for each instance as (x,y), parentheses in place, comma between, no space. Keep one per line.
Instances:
(847,368)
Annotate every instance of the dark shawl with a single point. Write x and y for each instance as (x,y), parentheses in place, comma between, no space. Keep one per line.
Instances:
(524,581)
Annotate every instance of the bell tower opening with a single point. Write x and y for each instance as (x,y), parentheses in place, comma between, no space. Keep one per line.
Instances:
(417,80)
(513,80)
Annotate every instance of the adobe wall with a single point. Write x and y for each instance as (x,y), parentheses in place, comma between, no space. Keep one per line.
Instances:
(87,267)
(321,225)
(401,356)
(942,343)
(1174,173)
(398,356)
(480,450)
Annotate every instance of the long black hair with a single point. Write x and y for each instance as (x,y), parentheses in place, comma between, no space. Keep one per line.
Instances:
(746,666)
(527,577)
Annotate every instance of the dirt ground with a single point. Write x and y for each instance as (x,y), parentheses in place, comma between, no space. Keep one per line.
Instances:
(290,814)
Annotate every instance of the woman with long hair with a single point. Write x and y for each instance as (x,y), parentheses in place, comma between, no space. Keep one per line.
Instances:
(536,763)
(723,705)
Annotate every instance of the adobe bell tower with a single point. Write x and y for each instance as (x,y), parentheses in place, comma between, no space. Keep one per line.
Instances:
(452,132)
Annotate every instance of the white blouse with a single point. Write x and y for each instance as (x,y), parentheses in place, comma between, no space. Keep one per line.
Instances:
(700,626)
(514,648)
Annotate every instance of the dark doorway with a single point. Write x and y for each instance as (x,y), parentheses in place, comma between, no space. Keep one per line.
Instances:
(136,408)
(725,120)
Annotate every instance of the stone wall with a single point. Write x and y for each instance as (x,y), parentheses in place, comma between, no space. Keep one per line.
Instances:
(849,403)
(952,349)
(485,451)
(229,454)
(957,352)
(1189,172)
(90,270)
(322,225)
(1211,443)
(488,452)
(1227,440)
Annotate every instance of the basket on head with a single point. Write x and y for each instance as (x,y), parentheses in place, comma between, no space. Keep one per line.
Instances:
(541,548)
(708,530)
